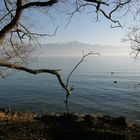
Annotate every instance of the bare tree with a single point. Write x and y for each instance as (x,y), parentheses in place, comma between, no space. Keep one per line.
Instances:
(17,40)
(13,37)
(132,36)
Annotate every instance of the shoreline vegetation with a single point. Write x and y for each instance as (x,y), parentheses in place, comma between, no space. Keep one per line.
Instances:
(65,126)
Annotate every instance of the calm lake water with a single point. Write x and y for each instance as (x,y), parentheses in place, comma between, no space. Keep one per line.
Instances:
(94,88)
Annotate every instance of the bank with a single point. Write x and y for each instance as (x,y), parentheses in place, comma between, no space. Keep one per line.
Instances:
(65,126)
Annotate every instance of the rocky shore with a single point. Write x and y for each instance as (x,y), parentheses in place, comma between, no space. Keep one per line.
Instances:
(66,126)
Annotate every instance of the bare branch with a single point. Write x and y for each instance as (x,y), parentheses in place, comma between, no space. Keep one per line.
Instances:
(36,34)
(12,23)
(98,3)
(133,37)
(70,88)
(118,6)
(37,71)
(109,17)
(19,10)
(6,15)
(39,4)
(82,59)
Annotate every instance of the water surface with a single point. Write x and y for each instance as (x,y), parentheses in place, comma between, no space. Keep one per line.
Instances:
(94,88)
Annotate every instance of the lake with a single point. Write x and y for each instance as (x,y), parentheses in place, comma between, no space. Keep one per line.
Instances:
(103,85)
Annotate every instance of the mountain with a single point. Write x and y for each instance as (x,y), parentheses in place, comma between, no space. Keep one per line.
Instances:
(76,48)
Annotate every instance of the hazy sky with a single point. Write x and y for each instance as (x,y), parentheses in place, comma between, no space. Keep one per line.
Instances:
(82,28)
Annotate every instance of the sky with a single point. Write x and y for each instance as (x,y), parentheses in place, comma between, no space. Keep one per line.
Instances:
(82,28)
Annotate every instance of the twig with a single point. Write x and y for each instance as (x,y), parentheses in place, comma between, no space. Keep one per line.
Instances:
(67,82)
(82,59)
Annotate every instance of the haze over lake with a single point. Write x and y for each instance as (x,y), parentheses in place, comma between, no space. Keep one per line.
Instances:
(75,48)
(94,88)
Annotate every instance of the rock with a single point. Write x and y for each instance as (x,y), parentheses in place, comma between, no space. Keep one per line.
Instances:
(119,121)
(88,119)
(5,110)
